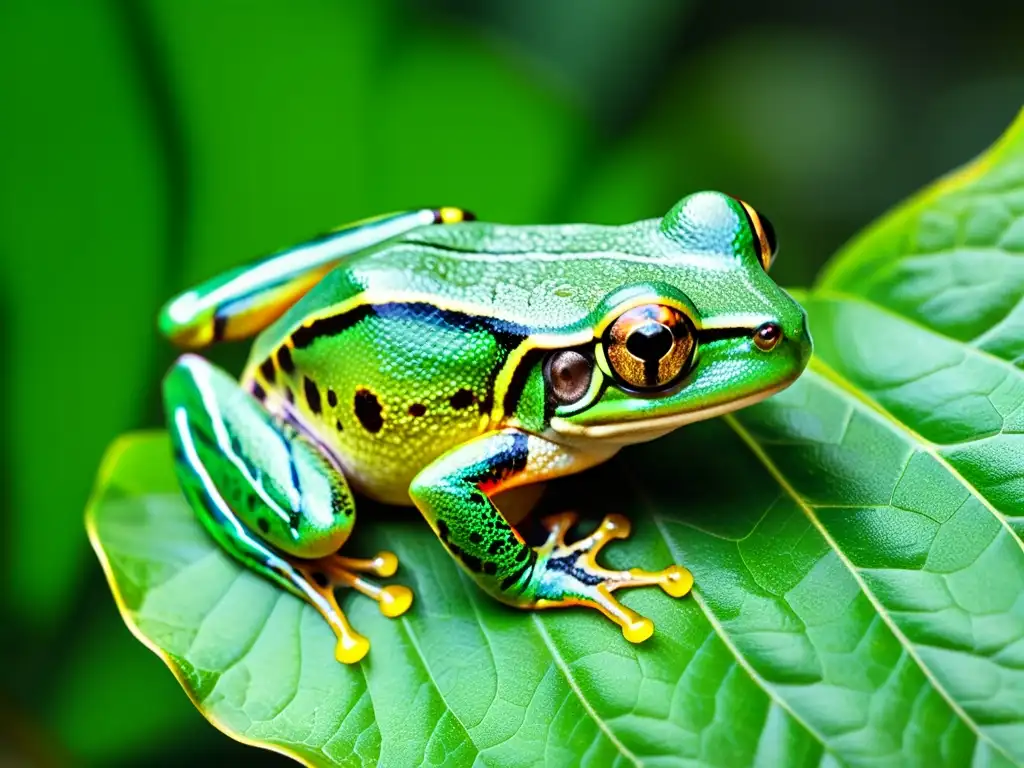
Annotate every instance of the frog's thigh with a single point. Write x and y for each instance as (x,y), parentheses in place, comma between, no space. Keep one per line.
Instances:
(264,491)
(273,479)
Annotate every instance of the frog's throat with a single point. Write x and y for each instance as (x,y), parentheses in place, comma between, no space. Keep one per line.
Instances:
(641,430)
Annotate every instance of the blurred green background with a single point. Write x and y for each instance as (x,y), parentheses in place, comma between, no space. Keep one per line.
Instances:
(147,145)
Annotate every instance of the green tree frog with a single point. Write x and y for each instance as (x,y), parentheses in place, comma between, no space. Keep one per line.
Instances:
(424,358)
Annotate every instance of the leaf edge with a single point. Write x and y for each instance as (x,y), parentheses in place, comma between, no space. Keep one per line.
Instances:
(120,445)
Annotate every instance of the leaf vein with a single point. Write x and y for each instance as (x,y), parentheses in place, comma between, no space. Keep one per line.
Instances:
(857,576)
(838,382)
(559,661)
(720,632)
(414,642)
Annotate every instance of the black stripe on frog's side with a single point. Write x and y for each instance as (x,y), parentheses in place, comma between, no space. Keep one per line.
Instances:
(507,334)
(517,383)
(710,335)
(329,326)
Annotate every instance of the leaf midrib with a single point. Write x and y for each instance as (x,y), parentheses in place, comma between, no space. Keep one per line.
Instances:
(563,667)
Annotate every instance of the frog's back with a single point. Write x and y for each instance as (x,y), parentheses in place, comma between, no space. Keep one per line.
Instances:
(408,349)
(545,277)
(549,277)
(397,354)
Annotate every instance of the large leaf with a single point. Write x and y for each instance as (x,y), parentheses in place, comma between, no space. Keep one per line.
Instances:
(856,544)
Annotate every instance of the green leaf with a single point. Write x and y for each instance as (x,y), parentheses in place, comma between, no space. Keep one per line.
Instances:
(856,545)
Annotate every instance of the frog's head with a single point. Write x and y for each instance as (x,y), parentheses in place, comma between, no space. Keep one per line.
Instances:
(710,334)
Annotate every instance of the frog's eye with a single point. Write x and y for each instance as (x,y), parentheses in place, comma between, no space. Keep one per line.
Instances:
(648,347)
(764,236)
(568,374)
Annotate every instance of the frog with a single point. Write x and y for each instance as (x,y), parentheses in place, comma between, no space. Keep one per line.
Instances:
(427,359)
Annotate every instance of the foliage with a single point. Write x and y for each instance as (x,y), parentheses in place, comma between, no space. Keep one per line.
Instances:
(859,593)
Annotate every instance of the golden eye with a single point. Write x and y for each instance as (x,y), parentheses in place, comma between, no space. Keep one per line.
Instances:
(770,239)
(568,373)
(650,346)
(763,232)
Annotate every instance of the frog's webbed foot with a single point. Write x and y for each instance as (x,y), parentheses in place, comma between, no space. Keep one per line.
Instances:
(325,574)
(568,574)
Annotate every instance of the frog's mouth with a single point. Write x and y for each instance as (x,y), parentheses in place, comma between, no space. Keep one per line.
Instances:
(641,430)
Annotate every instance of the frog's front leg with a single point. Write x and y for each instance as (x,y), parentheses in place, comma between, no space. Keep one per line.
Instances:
(270,496)
(453,494)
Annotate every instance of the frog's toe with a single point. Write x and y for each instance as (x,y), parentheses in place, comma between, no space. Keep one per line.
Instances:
(384,564)
(322,576)
(677,581)
(393,599)
(558,526)
(610,528)
(351,646)
(572,576)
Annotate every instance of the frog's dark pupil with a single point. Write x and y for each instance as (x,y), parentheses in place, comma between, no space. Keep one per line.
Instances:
(769,332)
(650,342)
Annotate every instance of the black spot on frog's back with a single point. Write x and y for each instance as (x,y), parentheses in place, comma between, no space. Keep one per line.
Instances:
(268,370)
(368,410)
(284,360)
(462,399)
(312,393)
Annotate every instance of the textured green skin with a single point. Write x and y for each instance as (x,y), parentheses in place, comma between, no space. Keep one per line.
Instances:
(435,434)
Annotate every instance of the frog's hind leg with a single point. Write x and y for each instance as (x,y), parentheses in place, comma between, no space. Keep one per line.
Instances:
(268,494)
(243,301)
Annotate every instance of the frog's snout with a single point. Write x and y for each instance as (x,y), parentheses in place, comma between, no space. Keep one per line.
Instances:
(801,339)
(792,338)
